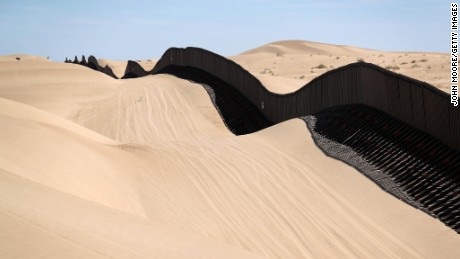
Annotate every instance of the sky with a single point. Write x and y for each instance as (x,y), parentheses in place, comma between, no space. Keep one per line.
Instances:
(124,29)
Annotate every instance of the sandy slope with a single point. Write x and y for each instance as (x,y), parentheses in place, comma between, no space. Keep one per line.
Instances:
(294,63)
(54,87)
(40,222)
(95,167)
(153,108)
(120,109)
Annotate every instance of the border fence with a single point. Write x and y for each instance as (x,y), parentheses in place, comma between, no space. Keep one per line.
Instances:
(414,102)
(93,64)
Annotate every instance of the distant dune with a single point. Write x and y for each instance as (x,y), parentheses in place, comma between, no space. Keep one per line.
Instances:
(91,167)
(294,63)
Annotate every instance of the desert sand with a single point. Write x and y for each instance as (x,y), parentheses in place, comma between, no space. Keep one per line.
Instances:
(292,64)
(118,67)
(91,167)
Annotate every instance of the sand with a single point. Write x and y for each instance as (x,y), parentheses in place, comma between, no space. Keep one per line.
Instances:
(96,167)
(295,63)
(119,67)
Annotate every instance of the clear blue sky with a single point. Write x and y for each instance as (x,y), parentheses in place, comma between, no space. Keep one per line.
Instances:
(143,29)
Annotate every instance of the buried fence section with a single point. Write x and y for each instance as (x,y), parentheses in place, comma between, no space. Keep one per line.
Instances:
(83,61)
(133,69)
(93,64)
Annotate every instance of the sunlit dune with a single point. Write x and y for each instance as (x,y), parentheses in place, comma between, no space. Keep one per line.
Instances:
(302,61)
(95,167)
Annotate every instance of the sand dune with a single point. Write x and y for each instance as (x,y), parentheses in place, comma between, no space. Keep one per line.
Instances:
(55,87)
(305,60)
(40,222)
(96,167)
(23,57)
(155,108)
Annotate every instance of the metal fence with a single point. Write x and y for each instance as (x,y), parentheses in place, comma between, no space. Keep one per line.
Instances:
(93,64)
(414,102)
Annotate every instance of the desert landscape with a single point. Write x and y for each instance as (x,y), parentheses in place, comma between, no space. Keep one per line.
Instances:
(294,63)
(97,167)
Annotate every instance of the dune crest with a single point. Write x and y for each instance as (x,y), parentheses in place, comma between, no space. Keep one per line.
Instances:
(302,61)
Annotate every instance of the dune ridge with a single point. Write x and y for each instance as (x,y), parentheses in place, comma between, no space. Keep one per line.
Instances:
(416,103)
(285,66)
